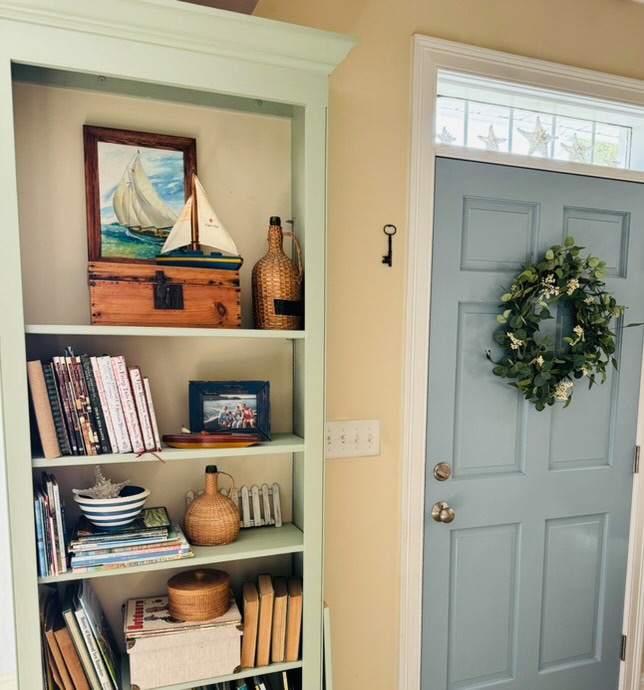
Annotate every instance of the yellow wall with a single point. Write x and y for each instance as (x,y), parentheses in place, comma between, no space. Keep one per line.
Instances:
(369,135)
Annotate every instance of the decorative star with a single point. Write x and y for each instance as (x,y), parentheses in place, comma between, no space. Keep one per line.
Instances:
(539,139)
(578,150)
(104,488)
(491,141)
(446,137)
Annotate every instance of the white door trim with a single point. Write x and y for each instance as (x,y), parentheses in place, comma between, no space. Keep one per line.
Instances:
(431,54)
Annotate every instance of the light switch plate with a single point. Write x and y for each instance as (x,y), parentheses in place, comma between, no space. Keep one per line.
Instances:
(353,438)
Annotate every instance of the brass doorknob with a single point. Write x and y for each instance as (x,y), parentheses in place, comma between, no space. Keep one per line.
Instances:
(441,512)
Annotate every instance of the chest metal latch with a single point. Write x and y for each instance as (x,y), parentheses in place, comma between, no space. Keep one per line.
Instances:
(167,295)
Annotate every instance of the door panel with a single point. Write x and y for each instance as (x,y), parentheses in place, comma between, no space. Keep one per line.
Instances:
(524,589)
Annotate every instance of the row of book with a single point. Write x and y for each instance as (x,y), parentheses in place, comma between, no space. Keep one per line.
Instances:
(272,620)
(86,405)
(286,680)
(151,538)
(79,650)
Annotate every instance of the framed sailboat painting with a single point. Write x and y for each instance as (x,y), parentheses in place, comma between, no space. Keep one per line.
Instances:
(136,184)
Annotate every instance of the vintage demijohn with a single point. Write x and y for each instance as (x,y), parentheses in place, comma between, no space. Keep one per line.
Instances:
(277,284)
(212,518)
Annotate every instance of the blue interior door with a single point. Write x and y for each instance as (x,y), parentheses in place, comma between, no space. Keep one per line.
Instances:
(524,590)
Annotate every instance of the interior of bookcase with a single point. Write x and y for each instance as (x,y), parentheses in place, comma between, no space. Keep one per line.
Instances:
(245,162)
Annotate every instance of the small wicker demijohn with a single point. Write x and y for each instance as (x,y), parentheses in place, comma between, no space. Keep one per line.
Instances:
(212,518)
(277,283)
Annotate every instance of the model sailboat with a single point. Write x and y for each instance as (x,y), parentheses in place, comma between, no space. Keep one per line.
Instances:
(199,225)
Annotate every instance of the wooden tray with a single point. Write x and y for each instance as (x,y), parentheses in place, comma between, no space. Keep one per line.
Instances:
(211,440)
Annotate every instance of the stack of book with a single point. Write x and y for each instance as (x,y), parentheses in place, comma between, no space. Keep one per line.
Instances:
(151,538)
(51,535)
(78,645)
(165,651)
(272,619)
(87,405)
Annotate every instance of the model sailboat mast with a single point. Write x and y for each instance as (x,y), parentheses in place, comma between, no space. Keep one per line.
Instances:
(194,230)
(197,226)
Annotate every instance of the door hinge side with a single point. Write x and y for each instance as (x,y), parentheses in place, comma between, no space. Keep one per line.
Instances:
(622,651)
(636,460)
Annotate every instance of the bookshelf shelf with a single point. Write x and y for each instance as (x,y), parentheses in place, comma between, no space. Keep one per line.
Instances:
(273,668)
(159,332)
(254,95)
(281,443)
(253,542)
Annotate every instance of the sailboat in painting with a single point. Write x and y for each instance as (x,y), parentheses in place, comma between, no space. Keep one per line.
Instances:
(138,206)
(197,226)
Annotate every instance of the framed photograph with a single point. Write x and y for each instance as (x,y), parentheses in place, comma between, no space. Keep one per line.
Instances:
(136,184)
(230,407)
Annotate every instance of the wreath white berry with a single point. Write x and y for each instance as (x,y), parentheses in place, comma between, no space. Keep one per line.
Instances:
(545,374)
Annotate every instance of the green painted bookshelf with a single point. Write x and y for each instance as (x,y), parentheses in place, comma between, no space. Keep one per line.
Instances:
(254,95)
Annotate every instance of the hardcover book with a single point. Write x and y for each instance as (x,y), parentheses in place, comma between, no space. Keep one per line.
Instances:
(57,409)
(264,628)
(100,628)
(152,522)
(82,404)
(42,410)
(53,621)
(104,404)
(95,402)
(114,403)
(69,405)
(153,416)
(293,619)
(278,634)
(250,605)
(127,401)
(70,656)
(91,641)
(138,392)
(77,637)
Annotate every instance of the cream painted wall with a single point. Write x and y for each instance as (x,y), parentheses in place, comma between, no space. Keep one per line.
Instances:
(369,139)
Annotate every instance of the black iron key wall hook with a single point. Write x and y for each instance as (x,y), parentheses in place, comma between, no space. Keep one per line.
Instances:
(390,231)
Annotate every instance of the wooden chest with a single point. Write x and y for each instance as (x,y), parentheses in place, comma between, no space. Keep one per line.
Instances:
(137,294)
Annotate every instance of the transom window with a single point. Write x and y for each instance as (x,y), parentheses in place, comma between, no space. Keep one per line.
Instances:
(499,116)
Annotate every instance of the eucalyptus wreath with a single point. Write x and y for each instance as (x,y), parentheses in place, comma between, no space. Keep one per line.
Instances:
(545,374)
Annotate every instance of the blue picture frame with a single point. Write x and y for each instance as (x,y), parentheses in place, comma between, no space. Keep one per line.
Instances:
(230,407)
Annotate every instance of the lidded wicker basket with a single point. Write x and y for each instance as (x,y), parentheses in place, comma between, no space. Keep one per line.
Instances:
(277,283)
(199,595)
(212,518)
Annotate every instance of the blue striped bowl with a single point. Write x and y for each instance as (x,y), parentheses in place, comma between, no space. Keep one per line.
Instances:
(114,512)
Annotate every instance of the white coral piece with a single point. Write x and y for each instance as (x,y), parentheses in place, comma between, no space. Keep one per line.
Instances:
(104,488)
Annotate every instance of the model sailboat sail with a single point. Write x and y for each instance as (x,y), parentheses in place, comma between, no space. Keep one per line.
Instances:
(138,206)
(198,225)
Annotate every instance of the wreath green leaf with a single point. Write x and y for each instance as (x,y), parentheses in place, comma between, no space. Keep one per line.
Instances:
(543,374)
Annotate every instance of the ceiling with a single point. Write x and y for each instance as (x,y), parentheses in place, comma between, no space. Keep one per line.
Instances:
(244,6)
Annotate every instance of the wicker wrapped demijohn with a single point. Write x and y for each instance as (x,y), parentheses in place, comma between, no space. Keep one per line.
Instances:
(212,518)
(277,283)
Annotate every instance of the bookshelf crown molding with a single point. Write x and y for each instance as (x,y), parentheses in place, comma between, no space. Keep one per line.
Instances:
(170,23)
